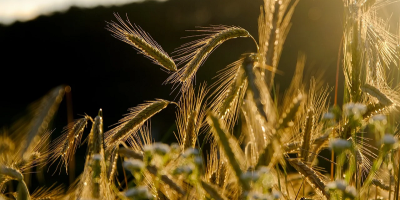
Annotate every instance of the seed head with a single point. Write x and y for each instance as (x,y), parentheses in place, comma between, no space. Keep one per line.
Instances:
(133,165)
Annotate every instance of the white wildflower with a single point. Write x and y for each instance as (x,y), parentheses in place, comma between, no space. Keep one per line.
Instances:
(148,148)
(378,118)
(338,184)
(361,108)
(328,116)
(354,109)
(189,152)
(263,170)
(257,196)
(175,147)
(133,164)
(276,195)
(139,192)
(388,139)
(250,176)
(339,145)
(331,186)
(341,185)
(97,157)
(184,169)
(351,191)
(198,160)
(161,148)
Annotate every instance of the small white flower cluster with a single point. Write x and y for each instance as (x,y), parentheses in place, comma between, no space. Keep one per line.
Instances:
(140,192)
(328,116)
(263,170)
(158,148)
(148,148)
(388,139)
(338,184)
(198,160)
(378,118)
(262,174)
(97,157)
(260,196)
(266,179)
(133,165)
(193,161)
(161,148)
(348,191)
(339,145)
(175,147)
(184,169)
(192,152)
(354,109)
(250,176)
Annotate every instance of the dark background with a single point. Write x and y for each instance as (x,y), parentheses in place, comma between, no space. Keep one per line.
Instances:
(73,48)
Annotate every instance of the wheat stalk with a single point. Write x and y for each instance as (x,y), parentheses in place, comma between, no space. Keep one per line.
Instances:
(256,86)
(128,153)
(133,121)
(190,117)
(166,180)
(43,114)
(375,92)
(22,191)
(373,109)
(311,176)
(232,94)
(37,156)
(318,145)
(96,175)
(380,184)
(273,26)
(95,153)
(11,172)
(212,191)
(195,53)
(223,137)
(308,130)
(289,115)
(229,92)
(112,158)
(94,182)
(141,41)
(216,170)
(65,145)
(96,137)
(372,173)
(267,155)
(48,193)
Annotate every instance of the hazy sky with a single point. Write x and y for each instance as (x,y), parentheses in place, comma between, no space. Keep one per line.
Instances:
(24,10)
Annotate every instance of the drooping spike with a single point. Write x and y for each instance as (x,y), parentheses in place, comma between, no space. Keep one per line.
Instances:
(133,121)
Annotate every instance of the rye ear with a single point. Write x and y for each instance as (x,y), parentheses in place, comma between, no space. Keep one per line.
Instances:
(141,41)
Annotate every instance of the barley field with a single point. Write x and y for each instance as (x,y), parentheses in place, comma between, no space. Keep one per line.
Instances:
(238,137)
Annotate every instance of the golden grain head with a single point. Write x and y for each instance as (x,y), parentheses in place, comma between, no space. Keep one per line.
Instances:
(141,41)
(193,54)
(260,143)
